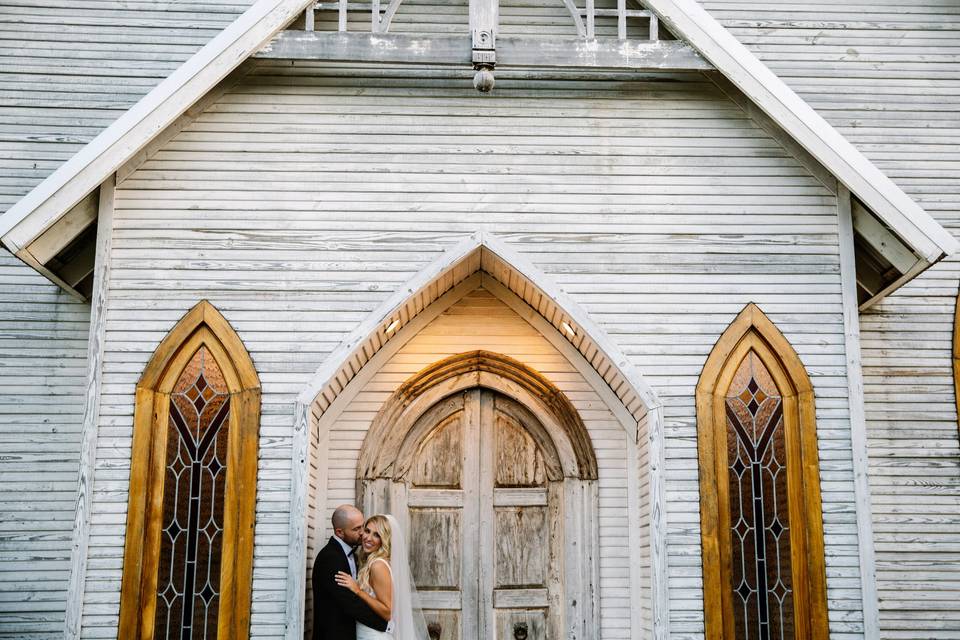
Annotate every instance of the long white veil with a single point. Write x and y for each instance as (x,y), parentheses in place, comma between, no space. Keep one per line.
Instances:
(407,618)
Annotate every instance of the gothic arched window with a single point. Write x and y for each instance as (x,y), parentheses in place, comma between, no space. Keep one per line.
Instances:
(761,520)
(188,553)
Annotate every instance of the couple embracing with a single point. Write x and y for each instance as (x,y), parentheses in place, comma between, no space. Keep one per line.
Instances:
(362,585)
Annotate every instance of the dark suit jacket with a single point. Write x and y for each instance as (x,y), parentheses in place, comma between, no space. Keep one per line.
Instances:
(335,609)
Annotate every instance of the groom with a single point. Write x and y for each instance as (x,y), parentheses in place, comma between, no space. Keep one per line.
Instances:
(337,610)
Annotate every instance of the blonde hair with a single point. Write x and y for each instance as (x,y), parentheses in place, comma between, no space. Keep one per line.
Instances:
(383,528)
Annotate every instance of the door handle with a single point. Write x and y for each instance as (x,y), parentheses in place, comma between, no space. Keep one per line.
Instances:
(434,630)
(520,631)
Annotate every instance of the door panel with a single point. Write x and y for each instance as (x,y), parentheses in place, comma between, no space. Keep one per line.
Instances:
(519,461)
(521,625)
(438,463)
(443,625)
(434,552)
(435,508)
(524,533)
(484,521)
(521,553)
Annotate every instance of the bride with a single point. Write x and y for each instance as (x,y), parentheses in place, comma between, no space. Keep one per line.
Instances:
(385,583)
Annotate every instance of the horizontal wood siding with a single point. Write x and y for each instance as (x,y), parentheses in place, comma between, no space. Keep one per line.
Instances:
(71,69)
(43,357)
(887,75)
(304,197)
(481,321)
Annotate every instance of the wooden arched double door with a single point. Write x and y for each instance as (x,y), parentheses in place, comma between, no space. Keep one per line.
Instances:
(499,517)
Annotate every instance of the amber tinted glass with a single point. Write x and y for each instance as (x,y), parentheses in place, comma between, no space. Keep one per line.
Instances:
(759,519)
(188,584)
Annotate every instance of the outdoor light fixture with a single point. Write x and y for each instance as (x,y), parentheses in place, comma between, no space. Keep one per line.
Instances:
(392,326)
(566,327)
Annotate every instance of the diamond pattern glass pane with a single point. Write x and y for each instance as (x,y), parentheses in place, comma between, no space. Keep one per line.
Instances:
(759,518)
(188,583)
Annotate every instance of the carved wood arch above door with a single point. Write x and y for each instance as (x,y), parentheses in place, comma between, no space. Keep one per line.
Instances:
(391,429)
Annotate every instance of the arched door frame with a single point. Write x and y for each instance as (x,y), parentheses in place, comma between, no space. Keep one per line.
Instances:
(394,437)
(463,268)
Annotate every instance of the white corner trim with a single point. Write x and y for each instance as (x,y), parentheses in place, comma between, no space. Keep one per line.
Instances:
(689,21)
(93,164)
(858,420)
(91,415)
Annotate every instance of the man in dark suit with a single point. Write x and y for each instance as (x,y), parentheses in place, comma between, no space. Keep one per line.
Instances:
(337,610)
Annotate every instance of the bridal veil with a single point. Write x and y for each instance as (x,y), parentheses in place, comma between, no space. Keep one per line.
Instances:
(408,622)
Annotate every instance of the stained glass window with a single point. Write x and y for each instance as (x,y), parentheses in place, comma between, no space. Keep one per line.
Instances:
(760,525)
(188,585)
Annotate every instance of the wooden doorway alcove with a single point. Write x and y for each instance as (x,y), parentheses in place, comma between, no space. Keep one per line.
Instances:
(492,472)
(483,262)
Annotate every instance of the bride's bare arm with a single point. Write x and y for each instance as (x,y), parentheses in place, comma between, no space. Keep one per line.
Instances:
(380,581)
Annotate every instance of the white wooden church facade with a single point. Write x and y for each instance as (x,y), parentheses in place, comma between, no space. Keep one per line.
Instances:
(513,318)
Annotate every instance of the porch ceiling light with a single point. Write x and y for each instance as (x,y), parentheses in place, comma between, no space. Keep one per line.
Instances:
(392,326)
(566,327)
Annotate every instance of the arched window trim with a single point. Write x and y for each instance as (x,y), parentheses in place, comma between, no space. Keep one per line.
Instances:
(956,358)
(203,325)
(753,331)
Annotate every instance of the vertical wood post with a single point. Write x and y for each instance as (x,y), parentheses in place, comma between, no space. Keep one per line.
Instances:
(91,413)
(858,420)
(342,16)
(375,16)
(484,18)
(622,19)
(659,574)
(297,541)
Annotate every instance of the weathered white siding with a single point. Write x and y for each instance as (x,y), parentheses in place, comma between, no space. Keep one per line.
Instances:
(481,321)
(43,354)
(887,75)
(71,68)
(298,202)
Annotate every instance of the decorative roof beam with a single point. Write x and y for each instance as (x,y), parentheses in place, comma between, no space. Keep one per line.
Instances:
(572,52)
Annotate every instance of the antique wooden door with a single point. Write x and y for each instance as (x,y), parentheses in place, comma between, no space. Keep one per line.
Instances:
(483,491)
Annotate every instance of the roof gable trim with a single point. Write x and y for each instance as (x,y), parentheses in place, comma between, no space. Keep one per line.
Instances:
(253,30)
(690,21)
(100,158)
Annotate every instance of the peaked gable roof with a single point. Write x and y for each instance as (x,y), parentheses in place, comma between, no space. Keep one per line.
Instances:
(54,198)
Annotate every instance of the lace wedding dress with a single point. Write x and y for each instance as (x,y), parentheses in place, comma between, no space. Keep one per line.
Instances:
(407,622)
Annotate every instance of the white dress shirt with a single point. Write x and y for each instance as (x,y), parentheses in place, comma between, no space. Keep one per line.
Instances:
(351,558)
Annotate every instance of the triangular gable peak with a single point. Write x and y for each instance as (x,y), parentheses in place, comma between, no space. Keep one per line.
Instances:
(52,228)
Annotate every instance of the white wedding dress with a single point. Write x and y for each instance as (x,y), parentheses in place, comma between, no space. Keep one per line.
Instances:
(406,621)
(363,631)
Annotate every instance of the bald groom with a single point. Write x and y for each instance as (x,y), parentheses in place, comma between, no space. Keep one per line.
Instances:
(336,611)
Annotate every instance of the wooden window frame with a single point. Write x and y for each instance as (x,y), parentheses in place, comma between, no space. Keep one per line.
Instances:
(956,358)
(752,331)
(203,326)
